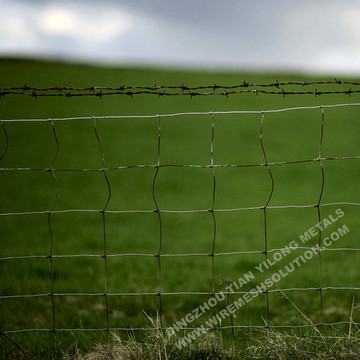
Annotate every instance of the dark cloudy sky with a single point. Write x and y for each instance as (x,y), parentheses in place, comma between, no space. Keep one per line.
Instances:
(304,35)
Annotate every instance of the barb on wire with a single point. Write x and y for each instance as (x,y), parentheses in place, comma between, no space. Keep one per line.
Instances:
(181,87)
(100,94)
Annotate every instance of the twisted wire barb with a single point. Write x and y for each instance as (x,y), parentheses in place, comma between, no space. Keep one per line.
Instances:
(191,94)
(179,90)
(183,87)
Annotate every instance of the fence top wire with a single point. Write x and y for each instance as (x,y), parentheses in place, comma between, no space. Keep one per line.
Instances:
(194,113)
(171,90)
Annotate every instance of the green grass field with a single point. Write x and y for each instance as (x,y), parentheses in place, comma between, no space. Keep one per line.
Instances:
(287,136)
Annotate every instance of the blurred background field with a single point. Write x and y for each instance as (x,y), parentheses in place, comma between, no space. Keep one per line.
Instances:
(287,136)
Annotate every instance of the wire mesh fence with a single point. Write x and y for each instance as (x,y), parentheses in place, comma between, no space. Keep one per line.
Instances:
(213,211)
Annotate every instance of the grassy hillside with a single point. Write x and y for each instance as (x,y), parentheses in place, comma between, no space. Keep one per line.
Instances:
(287,136)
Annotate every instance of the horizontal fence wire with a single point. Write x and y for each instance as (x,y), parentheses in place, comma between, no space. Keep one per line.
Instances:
(170,90)
(176,293)
(189,328)
(174,255)
(265,208)
(194,113)
(65,211)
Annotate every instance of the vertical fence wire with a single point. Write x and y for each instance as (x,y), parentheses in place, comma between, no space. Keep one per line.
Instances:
(6,140)
(265,217)
(51,231)
(104,226)
(319,213)
(157,210)
(212,207)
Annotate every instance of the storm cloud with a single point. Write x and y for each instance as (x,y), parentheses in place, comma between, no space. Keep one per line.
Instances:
(310,36)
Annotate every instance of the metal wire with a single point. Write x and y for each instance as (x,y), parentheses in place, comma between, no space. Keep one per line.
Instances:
(51,231)
(183,87)
(27,257)
(234,112)
(265,218)
(319,214)
(180,90)
(26,296)
(104,225)
(65,211)
(187,328)
(211,210)
(159,254)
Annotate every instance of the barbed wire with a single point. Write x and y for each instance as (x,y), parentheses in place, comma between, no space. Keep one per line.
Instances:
(213,254)
(183,87)
(35,94)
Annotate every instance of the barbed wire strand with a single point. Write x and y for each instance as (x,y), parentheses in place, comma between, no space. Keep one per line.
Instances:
(100,94)
(183,87)
(168,90)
